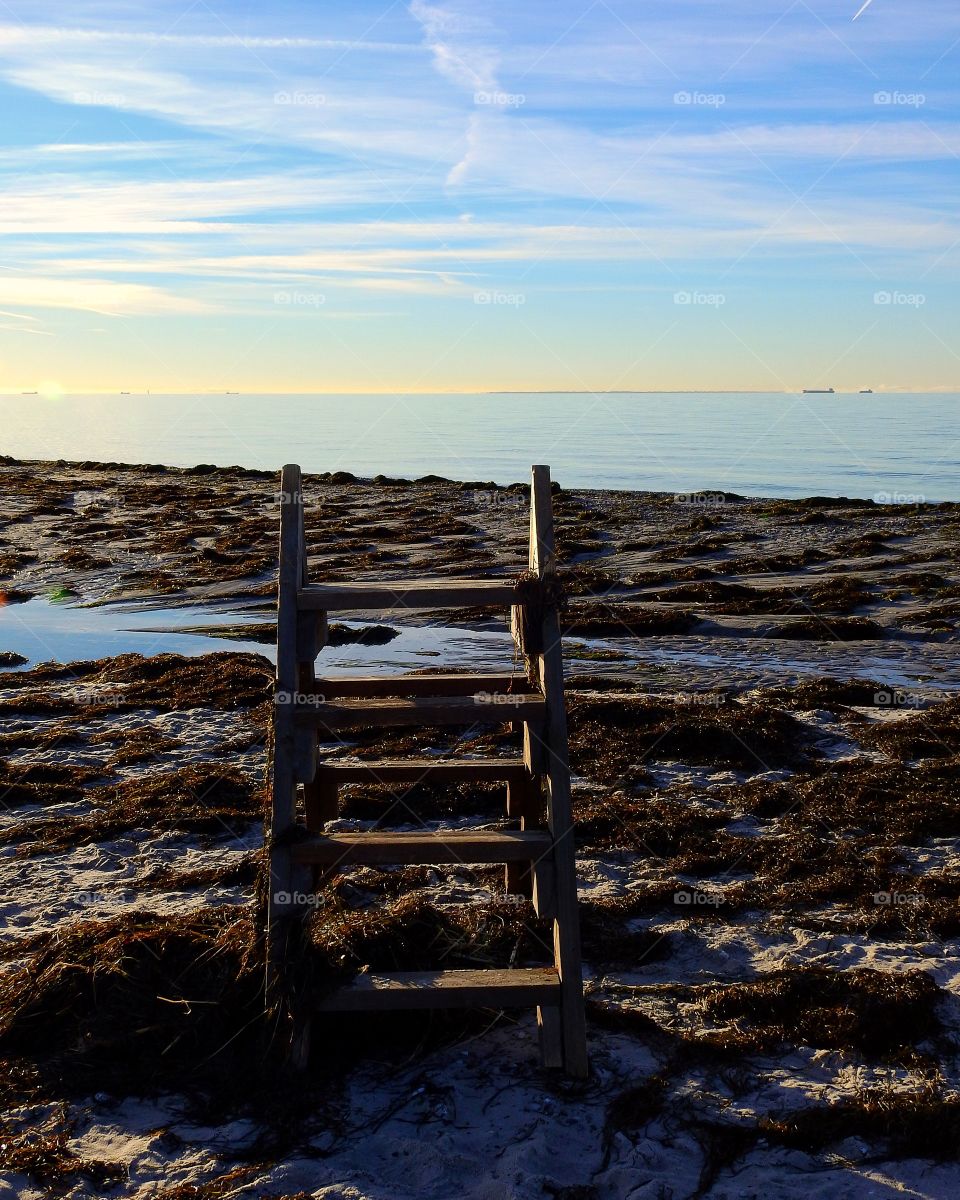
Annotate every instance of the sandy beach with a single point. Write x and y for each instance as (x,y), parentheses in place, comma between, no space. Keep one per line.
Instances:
(764,708)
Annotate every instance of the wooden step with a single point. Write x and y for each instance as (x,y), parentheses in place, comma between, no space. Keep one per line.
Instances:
(489,708)
(424,846)
(379,595)
(361,686)
(411,771)
(520,988)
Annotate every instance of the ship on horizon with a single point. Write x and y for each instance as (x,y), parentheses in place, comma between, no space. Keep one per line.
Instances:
(818,391)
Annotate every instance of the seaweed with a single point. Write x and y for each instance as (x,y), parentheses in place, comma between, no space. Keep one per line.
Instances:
(881,1014)
(139,999)
(824,629)
(625,620)
(198,798)
(610,735)
(918,1122)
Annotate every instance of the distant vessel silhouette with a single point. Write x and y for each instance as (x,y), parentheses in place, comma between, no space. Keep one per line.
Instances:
(866,391)
(818,391)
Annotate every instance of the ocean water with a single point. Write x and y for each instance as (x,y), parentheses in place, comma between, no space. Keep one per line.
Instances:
(901,447)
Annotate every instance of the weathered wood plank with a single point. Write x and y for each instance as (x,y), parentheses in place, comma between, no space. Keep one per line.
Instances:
(411,594)
(519,988)
(415,770)
(424,846)
(418,710)
(362,686)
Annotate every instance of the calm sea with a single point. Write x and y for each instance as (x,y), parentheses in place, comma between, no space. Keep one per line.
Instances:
(901,447)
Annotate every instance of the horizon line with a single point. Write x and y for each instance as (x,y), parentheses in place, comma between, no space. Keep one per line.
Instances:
(47,393)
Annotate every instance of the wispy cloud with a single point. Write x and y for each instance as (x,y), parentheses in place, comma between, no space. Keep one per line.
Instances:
(454,40)
(95,295)
(192,162)
(65,36)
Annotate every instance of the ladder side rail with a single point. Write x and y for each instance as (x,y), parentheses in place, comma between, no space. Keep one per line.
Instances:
(283,783)
(311,637)
(566,924)
(320,797)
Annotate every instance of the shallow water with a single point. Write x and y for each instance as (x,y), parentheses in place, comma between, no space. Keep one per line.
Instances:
(769,444)
(44,631)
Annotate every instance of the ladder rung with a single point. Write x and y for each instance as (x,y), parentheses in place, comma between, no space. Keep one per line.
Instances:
(424,770)
(521,988)
(422,685)
(379,595)
(422,710)
(424,846)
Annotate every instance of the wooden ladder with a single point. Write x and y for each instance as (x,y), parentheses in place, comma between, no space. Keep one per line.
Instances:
(539,855)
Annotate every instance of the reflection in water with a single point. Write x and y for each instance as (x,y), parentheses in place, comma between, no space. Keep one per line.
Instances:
(43,631)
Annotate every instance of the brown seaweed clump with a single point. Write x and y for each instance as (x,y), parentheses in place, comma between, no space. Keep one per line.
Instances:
(882,1014)
(198,798)
(39,1147)
(887,1016)
(922,1122)
(827,629)
(625,620)
(137,1000)
(608,737)
(932,734)
(826,692)
(888,803)
(165,682)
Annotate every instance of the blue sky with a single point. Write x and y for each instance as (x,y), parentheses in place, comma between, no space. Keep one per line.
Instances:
(464,195)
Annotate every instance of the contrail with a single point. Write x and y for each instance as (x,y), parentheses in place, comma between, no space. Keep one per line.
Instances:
(866,4)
